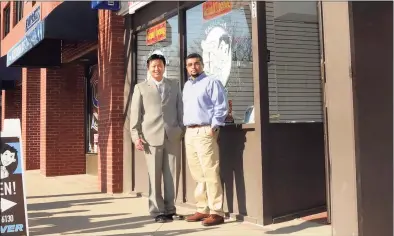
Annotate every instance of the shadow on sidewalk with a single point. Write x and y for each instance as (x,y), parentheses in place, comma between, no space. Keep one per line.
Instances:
(294,228)
(69,203)
(64,195)
(84,224)
(93,224)
(35,215)
(165,233)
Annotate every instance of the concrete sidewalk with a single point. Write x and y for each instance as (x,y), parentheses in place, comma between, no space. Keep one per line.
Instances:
(71,205)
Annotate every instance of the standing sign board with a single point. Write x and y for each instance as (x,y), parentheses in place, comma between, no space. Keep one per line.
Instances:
(12,190)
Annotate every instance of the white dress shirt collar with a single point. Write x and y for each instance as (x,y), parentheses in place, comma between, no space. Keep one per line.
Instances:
(158,83)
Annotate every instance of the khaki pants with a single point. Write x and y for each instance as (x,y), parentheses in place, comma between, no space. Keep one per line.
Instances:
(202,154)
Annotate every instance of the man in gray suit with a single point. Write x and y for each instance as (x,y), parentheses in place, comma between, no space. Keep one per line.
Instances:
(156,128)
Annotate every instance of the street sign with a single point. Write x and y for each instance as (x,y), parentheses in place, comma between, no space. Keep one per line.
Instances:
(33,19)
(106,5)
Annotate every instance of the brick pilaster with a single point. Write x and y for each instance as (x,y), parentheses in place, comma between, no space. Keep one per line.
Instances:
(62,121)
(31,118)
(111,85)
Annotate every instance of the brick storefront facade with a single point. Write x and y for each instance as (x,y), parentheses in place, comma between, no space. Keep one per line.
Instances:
(53,100)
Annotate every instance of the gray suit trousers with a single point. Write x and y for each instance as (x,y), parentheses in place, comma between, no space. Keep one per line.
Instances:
(163,161)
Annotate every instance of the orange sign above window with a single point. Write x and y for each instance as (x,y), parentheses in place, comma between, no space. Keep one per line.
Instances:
(156,33)
(212,9)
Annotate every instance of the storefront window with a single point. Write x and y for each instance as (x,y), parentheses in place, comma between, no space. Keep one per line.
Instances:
(92,110)
(222,33)
(161,38)
(295,93)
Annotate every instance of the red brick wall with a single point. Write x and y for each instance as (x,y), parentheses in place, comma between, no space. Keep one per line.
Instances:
(71,51)
(111,85)
(31,118)
(62,121)
(11,104)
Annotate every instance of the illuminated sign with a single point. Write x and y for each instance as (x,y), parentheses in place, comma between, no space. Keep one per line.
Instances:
(212,9)
(156,33)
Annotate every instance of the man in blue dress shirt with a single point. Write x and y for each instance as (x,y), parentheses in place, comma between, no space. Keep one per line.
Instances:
(205,109)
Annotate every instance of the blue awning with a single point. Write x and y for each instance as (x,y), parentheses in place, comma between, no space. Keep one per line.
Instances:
(9,77)
(41,45)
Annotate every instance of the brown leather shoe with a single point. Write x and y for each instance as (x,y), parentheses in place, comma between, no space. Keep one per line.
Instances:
(197,217)
(213,220)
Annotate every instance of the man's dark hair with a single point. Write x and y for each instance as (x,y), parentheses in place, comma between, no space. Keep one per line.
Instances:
(195,55)
(226,39)
(13,166)
(156,57)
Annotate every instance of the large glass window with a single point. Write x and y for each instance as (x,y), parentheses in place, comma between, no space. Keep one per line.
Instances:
(6,20)
(161,38)
(222,33)
(18,11)
(295,93)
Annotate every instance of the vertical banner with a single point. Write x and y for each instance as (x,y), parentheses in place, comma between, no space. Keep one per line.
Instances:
(12,193)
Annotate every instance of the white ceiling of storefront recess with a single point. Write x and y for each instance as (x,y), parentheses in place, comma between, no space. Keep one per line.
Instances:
(135,5)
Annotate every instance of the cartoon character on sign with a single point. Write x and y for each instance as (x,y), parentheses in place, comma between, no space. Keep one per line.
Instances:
(217,54)
(9,161)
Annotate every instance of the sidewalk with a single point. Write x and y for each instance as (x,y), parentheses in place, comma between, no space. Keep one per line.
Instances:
(71,205)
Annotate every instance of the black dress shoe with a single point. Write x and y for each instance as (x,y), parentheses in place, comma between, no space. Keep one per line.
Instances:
(161,219)
(175,216)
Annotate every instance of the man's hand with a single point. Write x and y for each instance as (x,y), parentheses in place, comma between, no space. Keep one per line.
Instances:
(212,131)
(139,144)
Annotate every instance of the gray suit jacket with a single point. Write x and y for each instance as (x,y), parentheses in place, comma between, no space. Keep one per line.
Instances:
(153,120)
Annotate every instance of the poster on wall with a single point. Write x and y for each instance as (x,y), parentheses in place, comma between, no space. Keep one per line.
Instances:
(12,190)
(94,107)
(212,9)
(156,33)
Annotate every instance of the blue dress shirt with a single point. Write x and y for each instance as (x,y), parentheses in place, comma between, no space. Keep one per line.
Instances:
(204,102)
